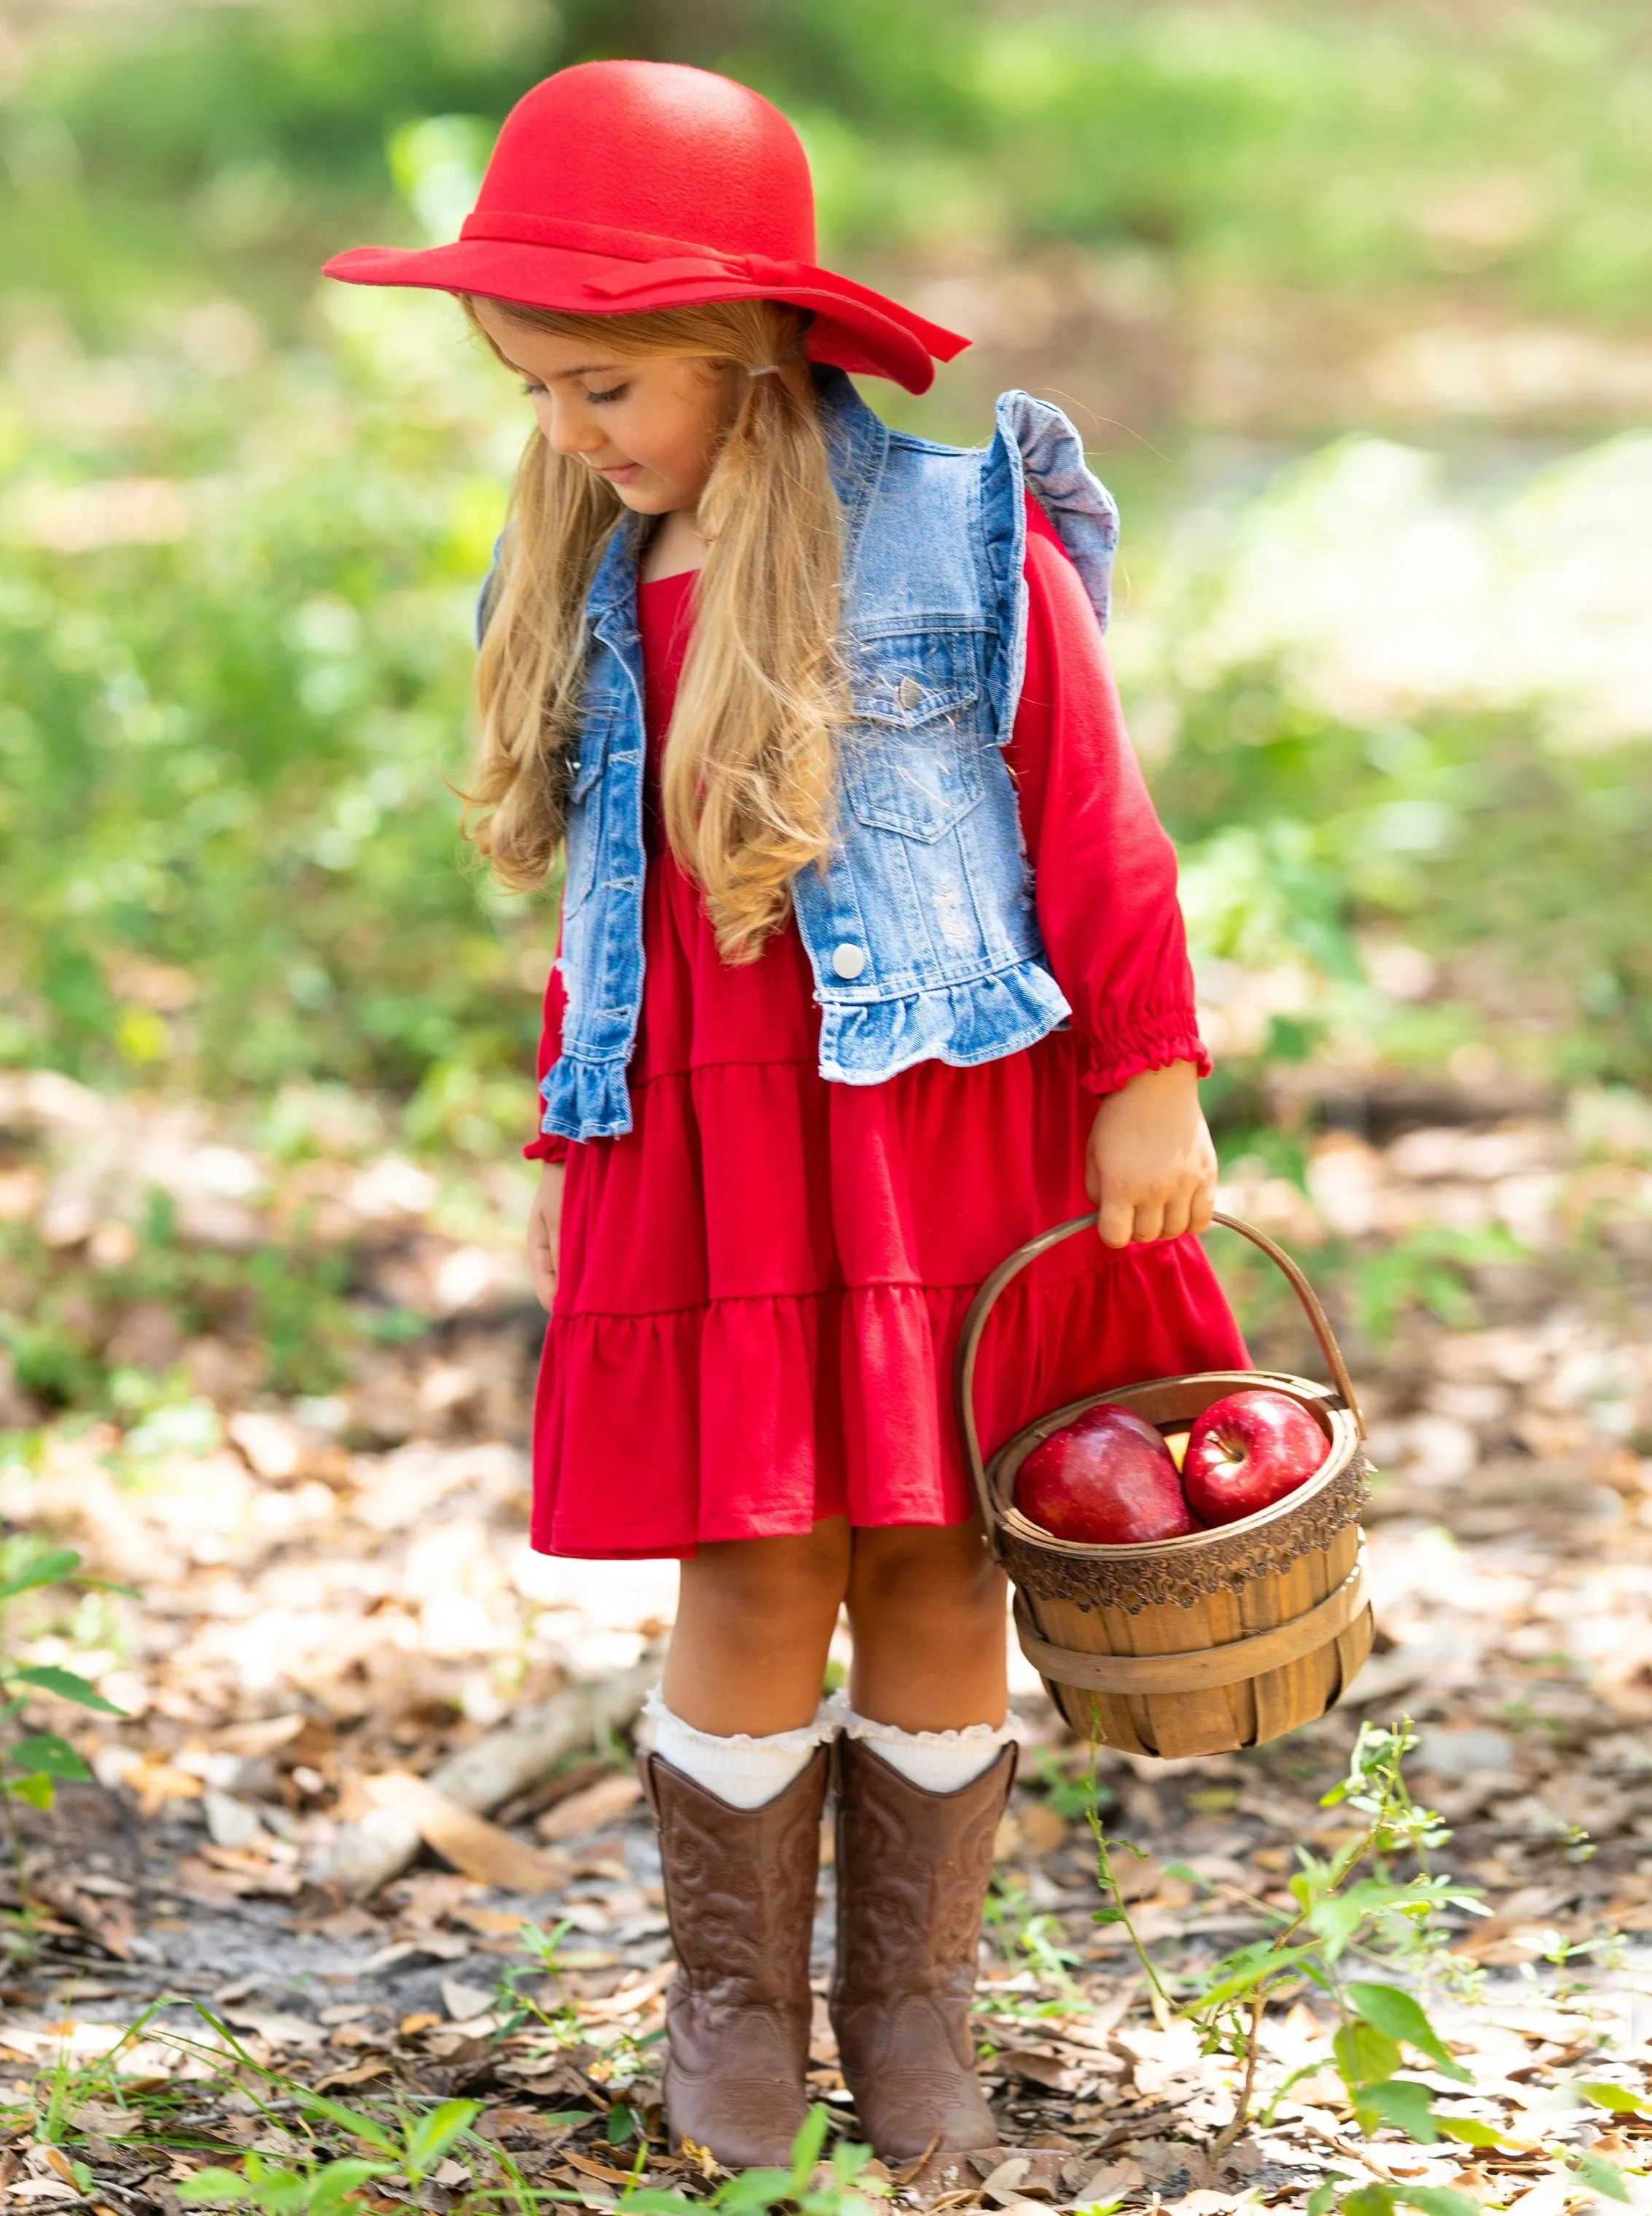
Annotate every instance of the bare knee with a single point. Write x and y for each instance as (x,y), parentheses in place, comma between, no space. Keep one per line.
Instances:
(927,1571)
(783,1579)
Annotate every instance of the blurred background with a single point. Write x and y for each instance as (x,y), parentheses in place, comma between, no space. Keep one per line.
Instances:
(1351,303)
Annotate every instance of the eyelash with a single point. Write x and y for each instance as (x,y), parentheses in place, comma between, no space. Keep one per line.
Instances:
(596,399)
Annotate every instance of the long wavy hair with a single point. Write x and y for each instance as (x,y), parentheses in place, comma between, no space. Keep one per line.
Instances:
(747,781)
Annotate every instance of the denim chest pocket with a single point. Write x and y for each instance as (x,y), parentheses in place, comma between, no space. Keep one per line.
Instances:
(912,755)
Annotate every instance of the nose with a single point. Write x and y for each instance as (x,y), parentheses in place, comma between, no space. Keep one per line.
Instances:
(568,427)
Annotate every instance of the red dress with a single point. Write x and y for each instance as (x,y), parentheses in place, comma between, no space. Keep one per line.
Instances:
(761,1285)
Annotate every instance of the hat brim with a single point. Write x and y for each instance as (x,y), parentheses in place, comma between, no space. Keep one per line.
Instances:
(854,327)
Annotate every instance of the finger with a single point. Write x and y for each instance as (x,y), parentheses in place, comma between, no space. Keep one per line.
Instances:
(1148,1220)
(1203,1208)
(1176,1214)
(1117,1221)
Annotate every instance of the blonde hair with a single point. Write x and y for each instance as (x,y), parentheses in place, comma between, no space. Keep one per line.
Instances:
(748,780)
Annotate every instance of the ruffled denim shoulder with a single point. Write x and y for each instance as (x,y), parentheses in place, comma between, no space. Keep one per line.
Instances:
(1054,470)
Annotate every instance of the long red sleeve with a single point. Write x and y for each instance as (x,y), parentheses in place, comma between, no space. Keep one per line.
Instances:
(549,1146)
(1104,870)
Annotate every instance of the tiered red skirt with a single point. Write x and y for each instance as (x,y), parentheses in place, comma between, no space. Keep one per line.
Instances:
(760,1286)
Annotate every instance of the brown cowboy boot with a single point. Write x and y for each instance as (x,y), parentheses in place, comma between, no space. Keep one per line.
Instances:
(740,1894)
(912,1872)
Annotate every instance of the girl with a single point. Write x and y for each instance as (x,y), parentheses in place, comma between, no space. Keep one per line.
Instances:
(870,968)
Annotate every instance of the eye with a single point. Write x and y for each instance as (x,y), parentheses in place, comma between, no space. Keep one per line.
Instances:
(601,399)
(530,388)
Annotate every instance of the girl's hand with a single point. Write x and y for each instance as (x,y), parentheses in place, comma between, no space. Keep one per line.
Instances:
(543,1226)
(1151,1167)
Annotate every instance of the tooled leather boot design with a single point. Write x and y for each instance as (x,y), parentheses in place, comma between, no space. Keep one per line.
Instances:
(912,1872)
(739,1895)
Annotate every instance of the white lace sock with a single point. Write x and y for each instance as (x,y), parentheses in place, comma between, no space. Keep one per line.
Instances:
(939,1762)
(744,1771)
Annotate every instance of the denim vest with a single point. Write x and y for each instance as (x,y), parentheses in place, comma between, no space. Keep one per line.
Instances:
(920,925)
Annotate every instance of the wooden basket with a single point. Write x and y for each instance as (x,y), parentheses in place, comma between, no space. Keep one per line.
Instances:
(1205,1644)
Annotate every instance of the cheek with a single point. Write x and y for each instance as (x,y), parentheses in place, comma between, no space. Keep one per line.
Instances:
(675,441)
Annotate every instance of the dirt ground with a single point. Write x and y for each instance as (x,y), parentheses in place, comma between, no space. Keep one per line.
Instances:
(336,1591)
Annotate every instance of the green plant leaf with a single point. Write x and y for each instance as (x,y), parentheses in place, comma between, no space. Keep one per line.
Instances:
(46,1570)
(1369,2200)
(754,2191)
(435,2134)
(1437,2200)
(330,2187)
(1400,2101)
(1320,2199)
(1471,2131)
(215,2185)
(1364,2054)
(37,1790)
(45,1751)
(67,1686)
(1399,2014)
(1604,2177)
(1618,2098)
(358,2126)
(1265,1962)
(805,2148)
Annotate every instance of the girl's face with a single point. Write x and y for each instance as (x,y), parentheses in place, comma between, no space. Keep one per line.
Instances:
(649,423)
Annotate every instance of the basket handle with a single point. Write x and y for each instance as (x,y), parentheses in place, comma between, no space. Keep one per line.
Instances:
(975,1323)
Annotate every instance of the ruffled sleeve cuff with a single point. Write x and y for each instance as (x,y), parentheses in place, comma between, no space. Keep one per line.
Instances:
(549,1146)
(1110,1064)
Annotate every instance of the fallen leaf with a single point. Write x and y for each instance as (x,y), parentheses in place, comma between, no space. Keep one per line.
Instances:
(1042,1829)
(1037,2066)
(1111,2181)
(462,2002)
(589,1810)
(631,1998)
(487,1922)
(279,2029)
(1002,2185)
(588,2167)
(376,2065)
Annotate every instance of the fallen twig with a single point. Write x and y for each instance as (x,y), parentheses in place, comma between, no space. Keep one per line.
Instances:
(368,1855)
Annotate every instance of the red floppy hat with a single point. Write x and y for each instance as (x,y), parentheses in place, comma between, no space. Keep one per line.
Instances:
(617,187)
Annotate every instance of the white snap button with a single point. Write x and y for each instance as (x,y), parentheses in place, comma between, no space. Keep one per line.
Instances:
(909,693)
(849,961)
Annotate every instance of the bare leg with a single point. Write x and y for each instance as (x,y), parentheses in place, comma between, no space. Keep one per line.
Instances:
(755,1618)
(927,1606)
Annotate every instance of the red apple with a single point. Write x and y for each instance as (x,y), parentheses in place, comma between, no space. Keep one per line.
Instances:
(1247,1450)
(1107,1479)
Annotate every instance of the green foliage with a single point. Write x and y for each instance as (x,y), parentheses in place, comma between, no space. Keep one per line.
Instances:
(1328,148)
(412,2150)
(1068,1795)
(844,2192)
(1036,1937)
(33,1763)
(1381,1917)
(1382,2028)
(244,526)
